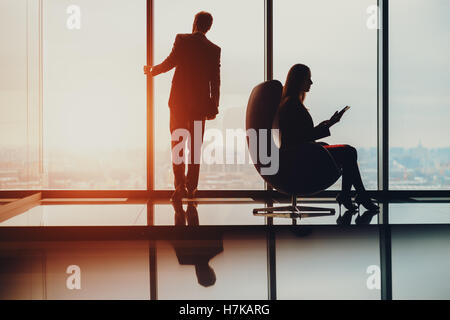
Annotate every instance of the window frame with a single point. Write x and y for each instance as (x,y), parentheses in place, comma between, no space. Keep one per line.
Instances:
(382,192)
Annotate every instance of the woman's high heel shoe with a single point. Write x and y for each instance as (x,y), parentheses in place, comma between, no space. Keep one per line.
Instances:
(363,199)
(345,199)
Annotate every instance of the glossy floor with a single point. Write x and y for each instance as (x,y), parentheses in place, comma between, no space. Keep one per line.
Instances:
(212,212)
(230,255)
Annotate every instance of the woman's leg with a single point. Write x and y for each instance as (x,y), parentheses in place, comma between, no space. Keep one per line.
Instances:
(355,174)
(346,157)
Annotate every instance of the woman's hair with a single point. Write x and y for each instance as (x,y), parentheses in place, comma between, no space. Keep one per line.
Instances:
(296,75)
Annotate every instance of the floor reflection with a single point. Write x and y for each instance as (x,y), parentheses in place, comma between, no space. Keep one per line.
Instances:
(419,213)
(80,215)
(359,219)
(327,262)
(219,250)
(366,218)
(230,214)
(197,253)
(211,214)
(74,270)
(219,265)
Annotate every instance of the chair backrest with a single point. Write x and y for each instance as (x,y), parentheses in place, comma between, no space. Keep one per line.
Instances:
(261,111)
(309,169)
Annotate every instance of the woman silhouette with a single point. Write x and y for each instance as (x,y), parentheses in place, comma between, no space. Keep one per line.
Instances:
(296,126)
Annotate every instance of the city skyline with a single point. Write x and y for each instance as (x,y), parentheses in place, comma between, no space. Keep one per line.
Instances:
(410,168)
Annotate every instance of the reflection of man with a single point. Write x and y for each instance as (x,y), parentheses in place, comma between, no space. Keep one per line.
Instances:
(196,252)
(194,97)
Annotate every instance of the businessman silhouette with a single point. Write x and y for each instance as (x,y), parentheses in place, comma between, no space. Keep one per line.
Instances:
(194,97)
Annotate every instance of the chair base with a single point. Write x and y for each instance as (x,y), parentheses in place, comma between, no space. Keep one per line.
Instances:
(293,211)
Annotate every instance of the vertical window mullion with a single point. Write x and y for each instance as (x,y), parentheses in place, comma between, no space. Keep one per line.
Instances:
(383,99)
(268,75)
(150,100)
(383,152)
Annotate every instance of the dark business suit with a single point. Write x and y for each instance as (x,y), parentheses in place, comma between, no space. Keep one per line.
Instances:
(297,127)
(194,94)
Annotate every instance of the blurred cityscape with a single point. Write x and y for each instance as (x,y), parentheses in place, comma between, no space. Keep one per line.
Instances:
(412,168)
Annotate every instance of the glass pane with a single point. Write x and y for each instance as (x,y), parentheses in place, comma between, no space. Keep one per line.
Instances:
(182,273)
(240,34)
(20,138)
(338,41)
(212,214)
(80,215)
(94,94)
(328,263)
(420,262)
(419,96)
(419,213)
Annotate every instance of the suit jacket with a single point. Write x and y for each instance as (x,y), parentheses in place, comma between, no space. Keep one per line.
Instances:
(196,82)
(196,251)
(296,125)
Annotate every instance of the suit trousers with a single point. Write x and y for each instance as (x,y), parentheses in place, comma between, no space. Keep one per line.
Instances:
(186,132)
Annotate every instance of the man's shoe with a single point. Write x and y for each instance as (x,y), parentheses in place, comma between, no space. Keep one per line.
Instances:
(191,194)
(180,218)
(192,214)
(179,194)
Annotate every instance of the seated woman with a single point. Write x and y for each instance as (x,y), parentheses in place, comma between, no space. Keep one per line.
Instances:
(296,127)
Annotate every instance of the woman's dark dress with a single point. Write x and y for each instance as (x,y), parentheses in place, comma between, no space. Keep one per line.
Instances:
(297,127)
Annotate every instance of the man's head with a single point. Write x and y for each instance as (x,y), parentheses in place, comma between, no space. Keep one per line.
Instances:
(202,22)
(205,274)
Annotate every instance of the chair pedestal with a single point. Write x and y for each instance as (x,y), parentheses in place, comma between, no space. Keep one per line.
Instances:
(293,211)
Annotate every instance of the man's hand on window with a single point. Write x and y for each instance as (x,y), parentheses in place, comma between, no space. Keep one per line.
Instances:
(148,70)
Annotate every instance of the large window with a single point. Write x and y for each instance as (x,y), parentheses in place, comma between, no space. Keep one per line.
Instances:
(238,28)
(73,94)
(94,94)
(419,105)
(20,166)
(337,41)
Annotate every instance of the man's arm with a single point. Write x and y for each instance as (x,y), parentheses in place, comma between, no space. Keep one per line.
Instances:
(170,61)
(215,80)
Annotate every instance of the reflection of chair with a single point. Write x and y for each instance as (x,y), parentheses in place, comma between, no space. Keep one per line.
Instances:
(306,170)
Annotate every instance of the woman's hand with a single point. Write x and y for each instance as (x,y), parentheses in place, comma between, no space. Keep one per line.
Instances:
(325,123)
(335,118)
